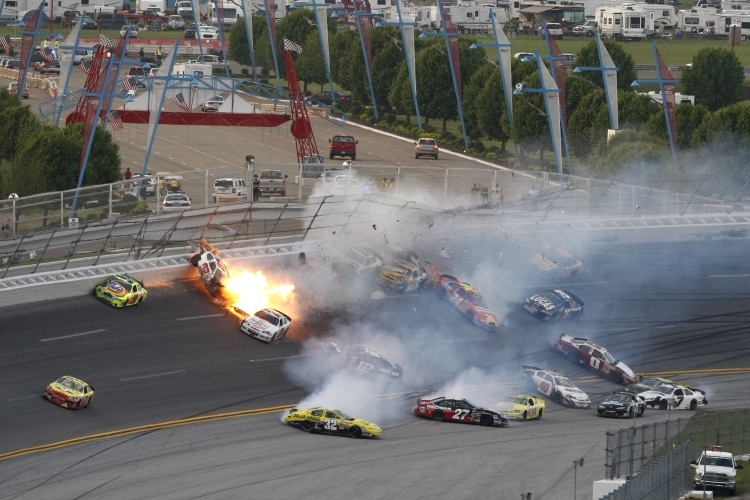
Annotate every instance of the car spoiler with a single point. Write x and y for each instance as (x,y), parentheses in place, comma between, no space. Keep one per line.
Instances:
(529,367)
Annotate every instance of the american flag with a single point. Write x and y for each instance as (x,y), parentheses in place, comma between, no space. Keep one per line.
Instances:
(7,44)
(291,46)
(131,84)
(47,55)
(179,99)
(85,66)
(311,22)
(114,119)
(107,42)
(352,27)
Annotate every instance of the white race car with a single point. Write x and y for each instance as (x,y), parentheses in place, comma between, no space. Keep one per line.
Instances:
(558,387)
(212,268)
(673,396)
(359,359)
(265,325)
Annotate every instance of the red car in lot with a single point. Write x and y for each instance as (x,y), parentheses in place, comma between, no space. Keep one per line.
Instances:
(468,301)
(596,358)
(460,411)
(343,145)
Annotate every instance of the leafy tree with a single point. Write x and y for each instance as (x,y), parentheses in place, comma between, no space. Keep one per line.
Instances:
(725,135)
(400,96)
(689,118)
(588,124)
(589,56)
(629,151)
(239,49)
(530,126)
(386,62)
(635,109)
(309,64)
(435,93)
(576,89)
(471,100)
(715,79)
(492,114)
(16,122)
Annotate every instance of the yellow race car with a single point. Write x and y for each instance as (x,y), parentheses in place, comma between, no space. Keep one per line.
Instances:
(70,392)
(332,422)
(520,407)
(121,290)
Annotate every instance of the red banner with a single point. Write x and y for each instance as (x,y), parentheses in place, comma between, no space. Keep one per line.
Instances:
(669,98)
(27,45)
(559,72)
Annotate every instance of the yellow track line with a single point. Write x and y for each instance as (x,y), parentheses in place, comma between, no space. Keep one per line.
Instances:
(141,429)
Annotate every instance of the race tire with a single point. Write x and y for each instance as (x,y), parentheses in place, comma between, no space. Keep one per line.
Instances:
(557,397)
(541,414)
(332,155)
(307,426)
(469,315)
(573,357)
(642,412)
(525,416)
(436,157)
(616,377)
(354,157)
(663,405)
(195,259)
(693,404)
(486,420)
(631,412)
(439,416)
(355,432)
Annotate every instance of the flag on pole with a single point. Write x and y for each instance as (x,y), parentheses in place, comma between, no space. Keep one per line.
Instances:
(131,84)
(47,55)
(179,99)
(291,46)
(85,66)
(311,23)
(352,27)
(107,42)
(114,119)
(7,44)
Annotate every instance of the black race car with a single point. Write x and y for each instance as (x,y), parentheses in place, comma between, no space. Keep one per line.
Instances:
(359,359)
(458,410)
(622,404)
(558,304)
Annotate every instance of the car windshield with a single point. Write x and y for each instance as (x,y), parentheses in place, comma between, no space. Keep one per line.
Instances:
(476,299)
(664,389)
(717,461)
(344,415)
(223,183)
(176,197)
(271,174)
(620,397)
(124,284)
(428,142)
(563,382)
(268,317)
(343,138)
(70,384)
(518,400)
(651,382)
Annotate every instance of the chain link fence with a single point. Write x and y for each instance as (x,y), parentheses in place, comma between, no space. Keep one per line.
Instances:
(630,450)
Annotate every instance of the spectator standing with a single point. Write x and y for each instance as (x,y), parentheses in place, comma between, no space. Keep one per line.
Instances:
(159,53)
(142,53)
(45,45)
(486,195)
(256,188)
(474,194)
(128,174)
(6,230)
(392,184)
(499,193)
(384,184)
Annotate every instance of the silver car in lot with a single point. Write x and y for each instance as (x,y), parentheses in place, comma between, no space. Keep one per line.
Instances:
(175,202)
(213,104)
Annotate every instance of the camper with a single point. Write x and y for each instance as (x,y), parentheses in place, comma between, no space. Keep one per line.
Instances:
(626,22)
(228,15)
(701,20)
(678,98)
(157,6)
(730,5)
(728,18)
(533,15)
(193,69)
(15,9)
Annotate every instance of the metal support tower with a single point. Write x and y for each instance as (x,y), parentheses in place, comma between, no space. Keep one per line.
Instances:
(307,149)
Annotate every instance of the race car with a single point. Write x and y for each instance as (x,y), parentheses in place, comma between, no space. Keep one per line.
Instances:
(212,268)
(70,392)
(359,359)
(557,386)
(332,422)
(458,410)
(468,301)
(595,357)
(557,304)
(121,290)
(622,404)
(265,325)
(403,276)
(557,263)
(650,383)
(672,396)
(520,407)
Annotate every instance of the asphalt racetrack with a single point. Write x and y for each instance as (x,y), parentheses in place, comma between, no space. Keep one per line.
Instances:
(680,308)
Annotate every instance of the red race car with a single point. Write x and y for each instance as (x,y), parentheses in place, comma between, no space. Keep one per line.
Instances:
(458,410)
(468,301)
(596,358)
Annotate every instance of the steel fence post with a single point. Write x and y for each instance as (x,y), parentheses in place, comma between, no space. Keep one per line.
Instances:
(158,194)
(619,450)
(730,428)
(13,232)
(588,197)
(299,184)
(445,194)
(398,178)
(110,201)
(703,437)
(205,190)
(62,208)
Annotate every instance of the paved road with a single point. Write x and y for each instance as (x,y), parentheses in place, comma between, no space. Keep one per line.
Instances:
(659,307)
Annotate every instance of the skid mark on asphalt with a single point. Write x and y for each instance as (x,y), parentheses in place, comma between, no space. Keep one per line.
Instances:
(74,335)
(189,318)
(152,375)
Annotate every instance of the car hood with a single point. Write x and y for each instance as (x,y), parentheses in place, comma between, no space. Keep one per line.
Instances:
(576,393)
(510,408)
(625,368)
(615,402)
(65,390)
(256,323)
(716,469)
(648,395)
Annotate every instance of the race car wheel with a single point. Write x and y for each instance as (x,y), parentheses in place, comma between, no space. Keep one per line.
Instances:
(631,412)
(525,416)
(195,259)
(469,315)
(541,414)
(439,416)
(573,357)
(616,377)
(355,432)
(487,419)
(643,411)
(693,404)
(663,405)
(557,397)
(307,426)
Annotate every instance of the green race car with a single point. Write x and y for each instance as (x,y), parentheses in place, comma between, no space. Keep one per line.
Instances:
(332,422)
(121,290)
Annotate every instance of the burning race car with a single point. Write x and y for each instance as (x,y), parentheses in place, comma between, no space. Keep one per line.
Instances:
(458,410)
(672,396)
(212,268)
(468,301)
(332,422)
(359,359)
(121,291)
(558,304)
(265,325)
(557,263)
(519,407)
(622,404)
(595,357)
(70,392)
(557,386)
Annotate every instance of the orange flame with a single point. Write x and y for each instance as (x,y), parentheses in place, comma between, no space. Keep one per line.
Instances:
(251,291)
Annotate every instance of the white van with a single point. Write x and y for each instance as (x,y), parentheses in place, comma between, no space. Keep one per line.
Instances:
(230,190)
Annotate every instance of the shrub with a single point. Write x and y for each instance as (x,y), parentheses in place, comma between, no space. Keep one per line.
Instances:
(390,118)
(245,72)
(429,128)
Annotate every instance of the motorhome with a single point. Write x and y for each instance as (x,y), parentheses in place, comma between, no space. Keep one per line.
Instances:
(194,69)
(735,5)
(228,13)
(625,22)
(728,18)
(156,6)
(678,98)
(15,9)
(697,19)
(533,15)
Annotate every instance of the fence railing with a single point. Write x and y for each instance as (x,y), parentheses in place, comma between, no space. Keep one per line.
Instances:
(629,450)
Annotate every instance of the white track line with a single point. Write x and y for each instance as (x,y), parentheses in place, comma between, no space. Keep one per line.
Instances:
(74,335)
(201,317)
(152,376)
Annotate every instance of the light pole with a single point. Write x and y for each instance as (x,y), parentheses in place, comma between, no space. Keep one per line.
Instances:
(576,464)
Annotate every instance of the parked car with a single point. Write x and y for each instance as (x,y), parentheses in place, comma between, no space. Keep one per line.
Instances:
(213,104)
(343,145)
(208,32)
(13,64)
(189,33)
(50,68)
(176,22)
(327,98)
(272,182)
(176,201)
(586,29)
(229,189)
(88,23)
(133,30)
(554,29)
(13,89)
(83,55)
